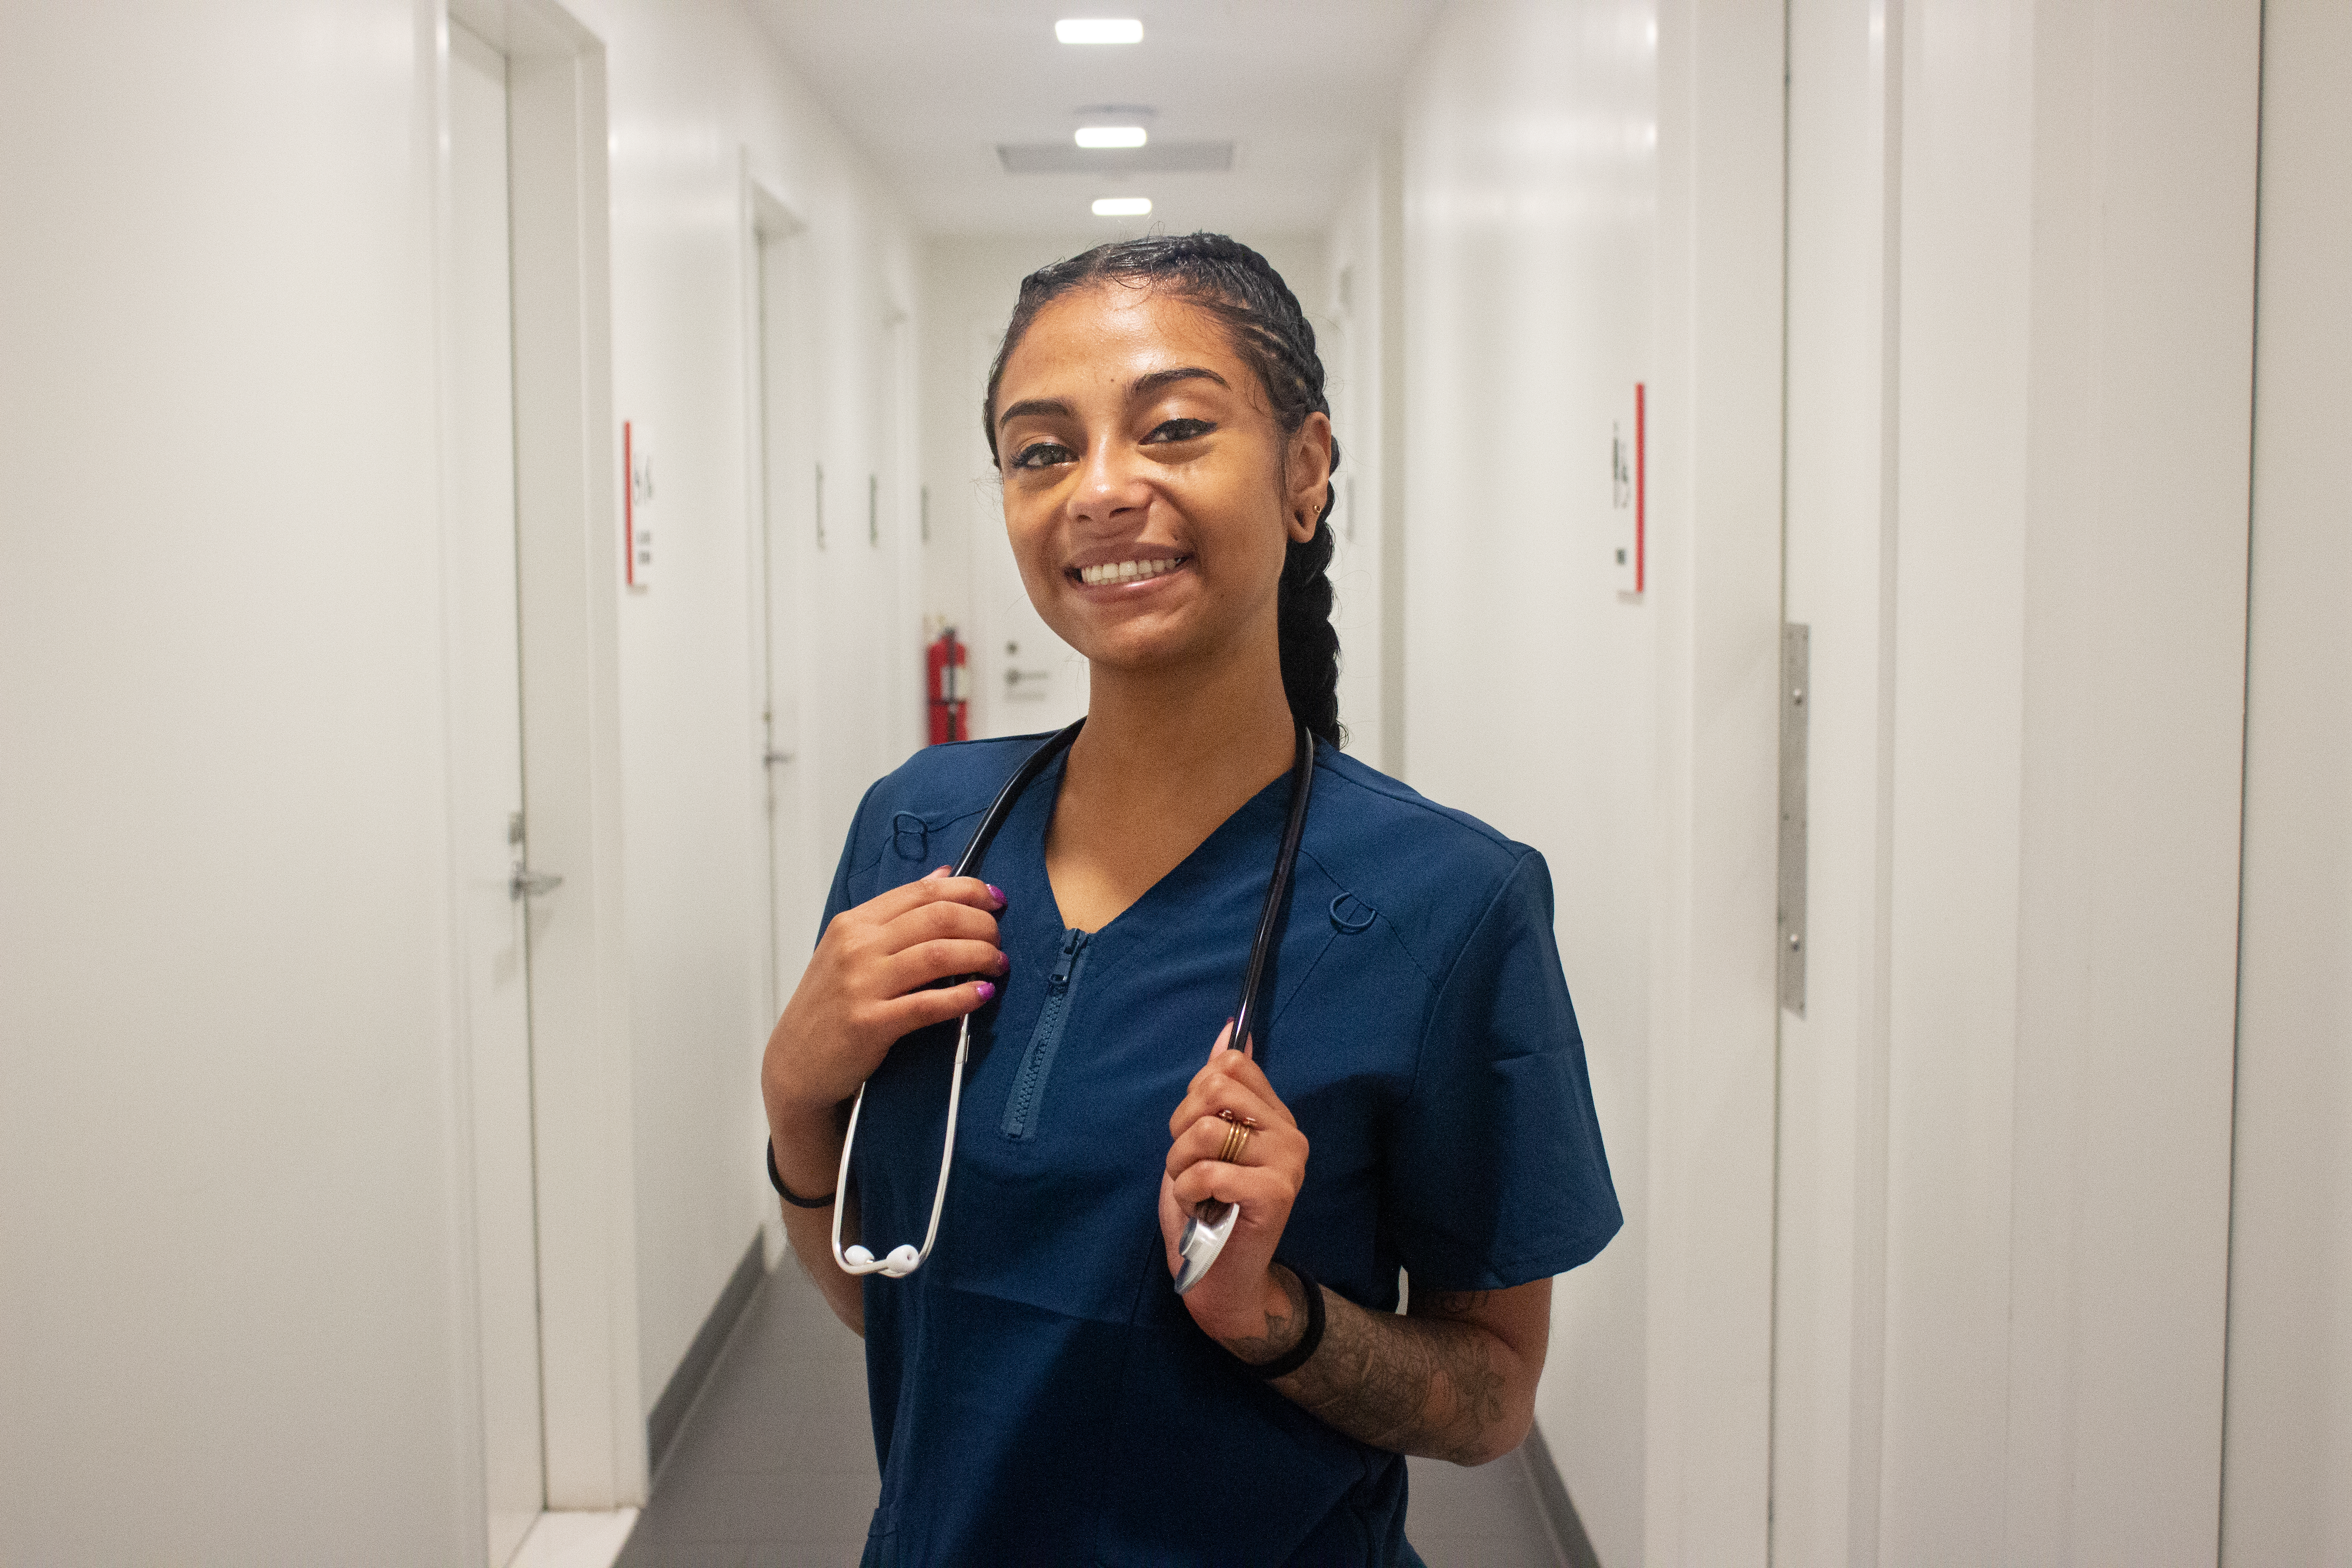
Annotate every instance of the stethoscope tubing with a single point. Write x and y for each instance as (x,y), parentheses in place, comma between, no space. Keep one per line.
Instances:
(1212,1222)
(897,1262)
(1205,1233)
(1277,893)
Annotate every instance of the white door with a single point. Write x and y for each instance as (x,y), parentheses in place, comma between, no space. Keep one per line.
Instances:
(488,799)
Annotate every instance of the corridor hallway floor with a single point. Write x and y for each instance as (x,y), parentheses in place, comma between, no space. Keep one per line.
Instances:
(775,1465)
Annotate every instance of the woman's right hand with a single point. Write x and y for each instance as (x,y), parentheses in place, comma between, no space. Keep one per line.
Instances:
(871,982)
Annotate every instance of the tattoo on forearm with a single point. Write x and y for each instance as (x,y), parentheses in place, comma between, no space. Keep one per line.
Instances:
(1283,1324)
(1429,1384)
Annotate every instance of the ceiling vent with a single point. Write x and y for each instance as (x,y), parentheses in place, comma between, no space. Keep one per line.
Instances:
(1159,158)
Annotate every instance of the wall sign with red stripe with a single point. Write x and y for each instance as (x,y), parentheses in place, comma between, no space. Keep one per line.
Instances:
(1629,497)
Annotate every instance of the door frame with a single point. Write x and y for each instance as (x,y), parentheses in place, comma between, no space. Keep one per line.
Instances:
(568,561)
(765,218)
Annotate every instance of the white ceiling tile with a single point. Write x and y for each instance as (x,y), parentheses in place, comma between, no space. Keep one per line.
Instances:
(930,88)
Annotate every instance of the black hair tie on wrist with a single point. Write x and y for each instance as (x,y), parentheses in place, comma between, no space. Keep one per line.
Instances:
(787,1194)
(1308,1343)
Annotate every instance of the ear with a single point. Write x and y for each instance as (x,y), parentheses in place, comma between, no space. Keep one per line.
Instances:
(1307,476)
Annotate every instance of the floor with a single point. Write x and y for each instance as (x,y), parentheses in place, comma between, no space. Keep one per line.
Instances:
(773,1467)
(565,1537)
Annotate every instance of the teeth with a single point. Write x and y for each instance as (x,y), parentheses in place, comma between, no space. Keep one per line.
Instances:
(1126,570)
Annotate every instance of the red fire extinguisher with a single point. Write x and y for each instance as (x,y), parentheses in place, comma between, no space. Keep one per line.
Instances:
(944,660)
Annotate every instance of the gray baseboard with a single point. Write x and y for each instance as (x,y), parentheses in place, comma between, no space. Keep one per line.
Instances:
(1551,1496)
(677,1397)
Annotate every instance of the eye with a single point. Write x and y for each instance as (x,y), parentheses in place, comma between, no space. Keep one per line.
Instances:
(1179,430)
(1043,454)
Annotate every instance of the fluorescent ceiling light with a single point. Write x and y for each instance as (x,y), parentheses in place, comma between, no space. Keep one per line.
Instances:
(1112,136)
(1122,206)
(1099,30)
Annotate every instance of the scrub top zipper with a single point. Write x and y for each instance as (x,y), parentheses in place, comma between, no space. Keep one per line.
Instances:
(1020,1110)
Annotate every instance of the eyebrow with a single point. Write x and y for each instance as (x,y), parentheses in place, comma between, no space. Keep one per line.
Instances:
(1144,387)
(1033,405)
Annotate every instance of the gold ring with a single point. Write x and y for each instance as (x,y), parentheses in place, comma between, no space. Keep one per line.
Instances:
(1249,1122)
(1237,1138)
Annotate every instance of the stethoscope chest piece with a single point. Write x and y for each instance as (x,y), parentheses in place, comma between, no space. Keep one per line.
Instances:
(1201,1241)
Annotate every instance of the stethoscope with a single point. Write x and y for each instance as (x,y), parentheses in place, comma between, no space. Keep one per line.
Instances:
(1209,1226)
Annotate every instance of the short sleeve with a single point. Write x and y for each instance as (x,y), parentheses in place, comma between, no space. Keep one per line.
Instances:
(1497,1174)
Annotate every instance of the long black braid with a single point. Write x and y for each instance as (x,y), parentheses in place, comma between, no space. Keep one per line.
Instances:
(1274,338)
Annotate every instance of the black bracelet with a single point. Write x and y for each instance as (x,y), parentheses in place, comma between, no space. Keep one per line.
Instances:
(787,1194)
(1297,1356)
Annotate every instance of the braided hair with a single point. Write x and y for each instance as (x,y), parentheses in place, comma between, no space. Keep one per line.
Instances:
(1272,334)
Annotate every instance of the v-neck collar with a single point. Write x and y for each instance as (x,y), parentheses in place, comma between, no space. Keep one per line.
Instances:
(1204,858)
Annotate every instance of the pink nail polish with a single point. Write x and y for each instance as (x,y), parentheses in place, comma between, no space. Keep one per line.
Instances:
(998,893)
(986,991)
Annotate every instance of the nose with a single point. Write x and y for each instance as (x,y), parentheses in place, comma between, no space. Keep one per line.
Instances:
(1110,483)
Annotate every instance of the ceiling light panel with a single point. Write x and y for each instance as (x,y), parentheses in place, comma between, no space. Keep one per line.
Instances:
(1122,206)
(1099,30)
(1112,136)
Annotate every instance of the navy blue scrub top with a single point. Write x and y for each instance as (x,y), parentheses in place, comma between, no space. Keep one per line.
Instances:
(1040,1395)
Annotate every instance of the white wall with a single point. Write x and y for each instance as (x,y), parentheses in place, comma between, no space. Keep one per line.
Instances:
(700,97)
(970,285)
(1714,508)
(2286,1488)
(230,1278)
(1358,307)
(1527,210)
(236,1274)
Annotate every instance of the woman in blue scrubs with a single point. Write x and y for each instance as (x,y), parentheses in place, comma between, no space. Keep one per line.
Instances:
(1040,1393)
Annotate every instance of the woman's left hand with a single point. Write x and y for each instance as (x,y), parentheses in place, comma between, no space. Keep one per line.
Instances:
(1234,1301)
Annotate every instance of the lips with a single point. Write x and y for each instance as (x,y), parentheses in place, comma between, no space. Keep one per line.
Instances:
(1141,568)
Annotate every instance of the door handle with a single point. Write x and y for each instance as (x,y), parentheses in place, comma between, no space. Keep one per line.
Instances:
(527,883)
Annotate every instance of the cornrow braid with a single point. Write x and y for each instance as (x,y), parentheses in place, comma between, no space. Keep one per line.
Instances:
(1272,334)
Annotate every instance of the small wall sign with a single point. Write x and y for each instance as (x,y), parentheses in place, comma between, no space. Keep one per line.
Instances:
(636,503)
(1629,497)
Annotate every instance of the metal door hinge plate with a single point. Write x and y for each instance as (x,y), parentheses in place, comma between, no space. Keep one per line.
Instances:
(1796,680)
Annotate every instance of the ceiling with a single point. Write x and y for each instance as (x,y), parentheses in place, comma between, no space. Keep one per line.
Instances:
(929,90)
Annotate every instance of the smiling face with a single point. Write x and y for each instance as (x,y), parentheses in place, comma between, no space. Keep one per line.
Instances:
(1150,492)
